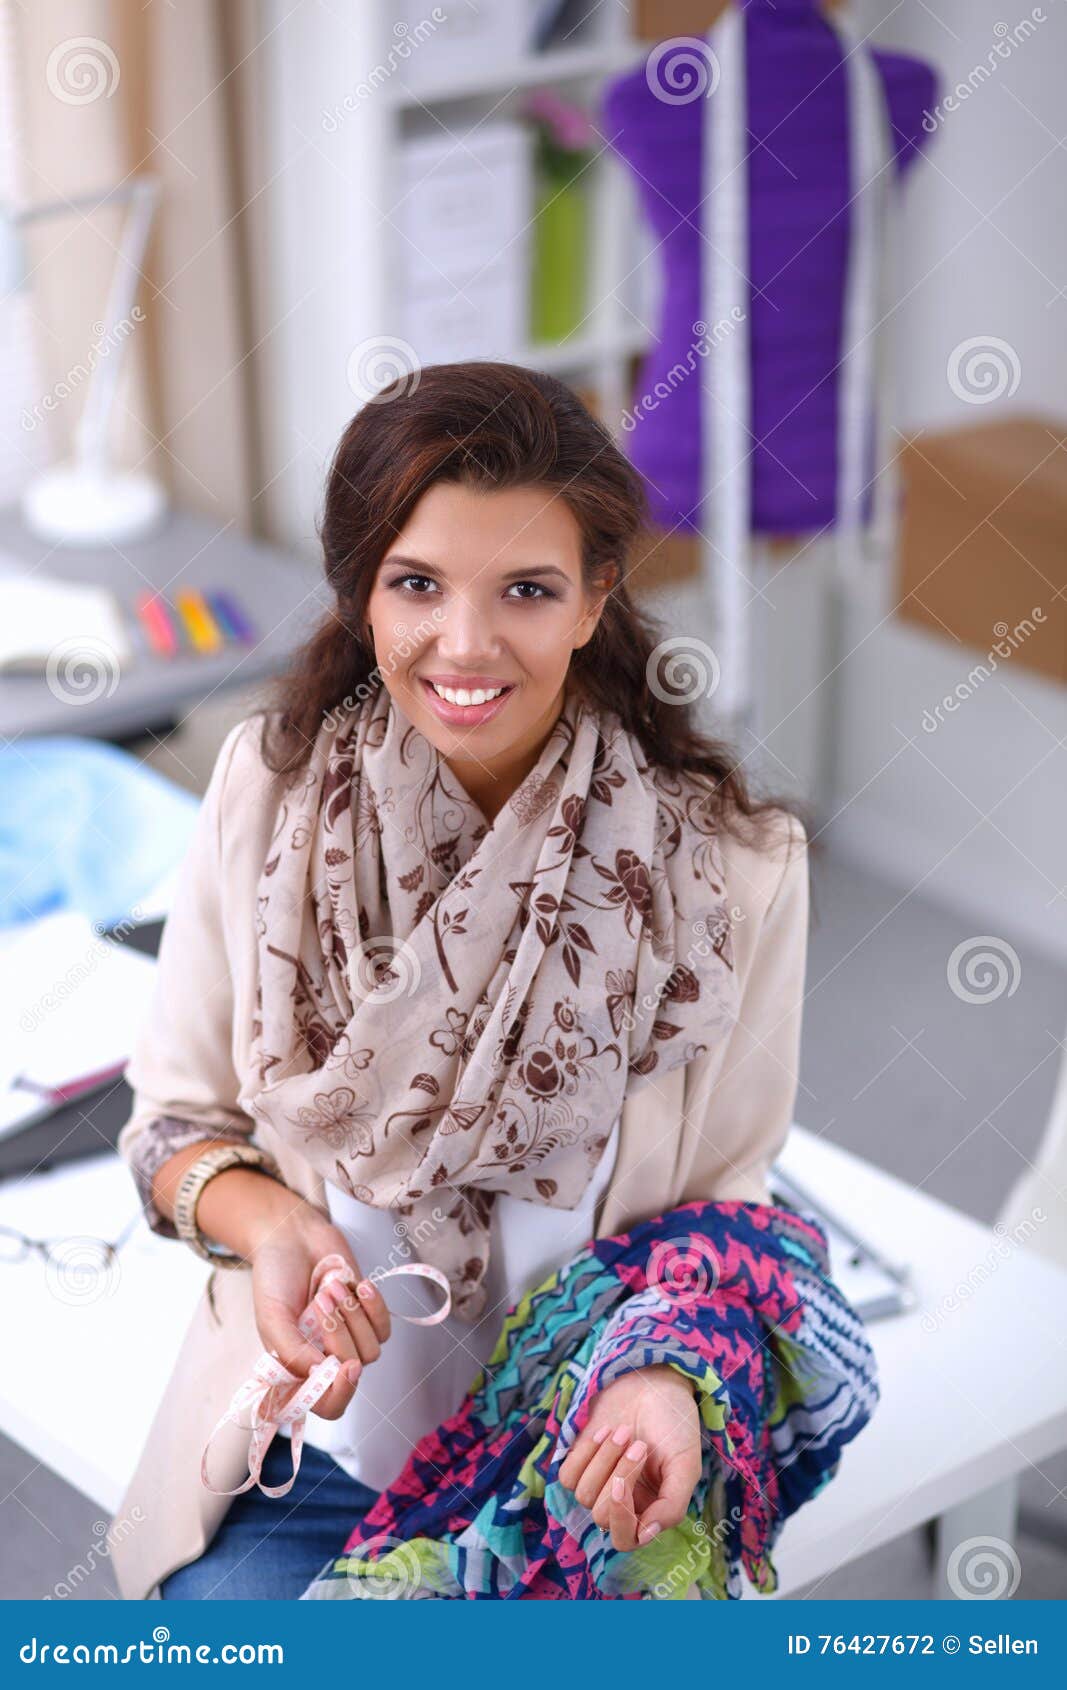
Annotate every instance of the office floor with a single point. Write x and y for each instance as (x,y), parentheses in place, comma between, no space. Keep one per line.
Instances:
(895,1067)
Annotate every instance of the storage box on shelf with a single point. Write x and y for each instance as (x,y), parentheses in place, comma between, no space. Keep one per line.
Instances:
(462,196)
(984,538)
(438,49)
(474,316)
(461,260)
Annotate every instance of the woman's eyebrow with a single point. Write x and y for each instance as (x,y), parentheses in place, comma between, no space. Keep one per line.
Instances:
(423,568)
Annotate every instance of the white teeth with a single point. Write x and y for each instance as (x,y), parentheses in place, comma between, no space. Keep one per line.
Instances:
(460,695)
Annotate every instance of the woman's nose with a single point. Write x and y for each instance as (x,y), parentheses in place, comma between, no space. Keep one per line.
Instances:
(465,634)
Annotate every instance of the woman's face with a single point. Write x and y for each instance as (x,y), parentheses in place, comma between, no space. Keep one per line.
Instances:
(481,592)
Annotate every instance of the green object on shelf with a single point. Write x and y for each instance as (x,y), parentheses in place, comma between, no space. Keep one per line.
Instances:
(560,255)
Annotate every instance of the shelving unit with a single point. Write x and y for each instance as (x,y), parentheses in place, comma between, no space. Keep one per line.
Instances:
(341,109)
(599,355)
(332,167)
(555,65)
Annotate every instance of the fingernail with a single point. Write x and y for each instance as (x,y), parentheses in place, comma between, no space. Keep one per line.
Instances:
(649,1532)
(622,1436)
(635,1451)
(353,1369)
(365,1288)
(601,1434)
(618,1489)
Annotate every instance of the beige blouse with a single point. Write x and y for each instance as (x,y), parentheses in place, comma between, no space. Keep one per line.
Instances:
(707,1129)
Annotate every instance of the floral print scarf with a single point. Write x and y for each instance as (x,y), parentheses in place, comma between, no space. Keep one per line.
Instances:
(447,1009)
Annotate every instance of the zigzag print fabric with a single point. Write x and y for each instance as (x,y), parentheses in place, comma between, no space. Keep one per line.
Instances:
(735,1295)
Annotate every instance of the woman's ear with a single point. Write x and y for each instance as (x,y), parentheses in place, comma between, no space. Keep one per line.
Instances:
(607,581)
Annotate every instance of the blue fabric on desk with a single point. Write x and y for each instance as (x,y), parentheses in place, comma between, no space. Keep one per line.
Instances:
(85,826)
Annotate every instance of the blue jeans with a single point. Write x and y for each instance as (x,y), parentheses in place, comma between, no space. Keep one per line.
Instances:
(271,1547)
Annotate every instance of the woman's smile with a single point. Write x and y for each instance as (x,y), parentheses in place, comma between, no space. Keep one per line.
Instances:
(460,714)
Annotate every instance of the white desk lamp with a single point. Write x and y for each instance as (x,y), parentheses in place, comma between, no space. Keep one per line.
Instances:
(89,501)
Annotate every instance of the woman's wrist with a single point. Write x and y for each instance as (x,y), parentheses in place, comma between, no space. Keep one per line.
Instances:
(241,1208)
(236,1208)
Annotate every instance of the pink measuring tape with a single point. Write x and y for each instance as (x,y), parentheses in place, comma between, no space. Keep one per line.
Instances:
(265,1394)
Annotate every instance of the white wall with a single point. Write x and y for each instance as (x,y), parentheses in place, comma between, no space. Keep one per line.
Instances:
(984,238)
(976,811)
(325,196)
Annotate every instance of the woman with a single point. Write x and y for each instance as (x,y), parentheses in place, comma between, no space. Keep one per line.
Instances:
(481,951)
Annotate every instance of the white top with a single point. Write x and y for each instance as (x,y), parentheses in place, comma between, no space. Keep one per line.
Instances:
(424,1372)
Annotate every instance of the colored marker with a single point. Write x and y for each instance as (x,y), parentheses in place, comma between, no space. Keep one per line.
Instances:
(200,625)
(219,611)
(237,623)
(157,624)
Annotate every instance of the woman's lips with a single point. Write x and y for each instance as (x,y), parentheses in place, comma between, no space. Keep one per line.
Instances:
(465,715)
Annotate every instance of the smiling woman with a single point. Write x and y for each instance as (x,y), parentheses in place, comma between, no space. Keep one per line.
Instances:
(499,577)
(495,955)
(478,529)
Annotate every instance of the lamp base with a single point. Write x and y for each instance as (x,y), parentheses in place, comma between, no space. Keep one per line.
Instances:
(72,506)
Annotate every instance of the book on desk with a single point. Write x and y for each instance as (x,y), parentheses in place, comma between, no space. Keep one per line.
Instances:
(71,1002)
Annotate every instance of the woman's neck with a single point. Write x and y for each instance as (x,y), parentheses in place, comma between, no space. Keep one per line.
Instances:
(490,785)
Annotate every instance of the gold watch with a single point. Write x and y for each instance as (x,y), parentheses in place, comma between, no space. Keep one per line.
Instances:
(214,1160)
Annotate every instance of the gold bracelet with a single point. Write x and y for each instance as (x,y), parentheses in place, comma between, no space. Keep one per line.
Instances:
(214,1160)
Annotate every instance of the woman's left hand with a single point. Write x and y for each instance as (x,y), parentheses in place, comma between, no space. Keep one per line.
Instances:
(637,1461)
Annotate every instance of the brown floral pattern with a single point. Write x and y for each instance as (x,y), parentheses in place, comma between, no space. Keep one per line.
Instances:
(449,1009)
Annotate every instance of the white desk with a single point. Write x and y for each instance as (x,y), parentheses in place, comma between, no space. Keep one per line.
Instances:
(963,1409)
(87,1360)
(283,597)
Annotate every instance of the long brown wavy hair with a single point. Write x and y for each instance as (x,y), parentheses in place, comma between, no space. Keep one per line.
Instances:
(492,426)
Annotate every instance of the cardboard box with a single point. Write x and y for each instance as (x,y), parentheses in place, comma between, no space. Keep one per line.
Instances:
(661,20)
(983,540)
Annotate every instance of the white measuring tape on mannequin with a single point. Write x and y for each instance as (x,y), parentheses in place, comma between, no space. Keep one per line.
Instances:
(264,1394)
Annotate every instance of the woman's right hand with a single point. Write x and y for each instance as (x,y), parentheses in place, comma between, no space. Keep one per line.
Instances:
(284,1237)
(356,1323)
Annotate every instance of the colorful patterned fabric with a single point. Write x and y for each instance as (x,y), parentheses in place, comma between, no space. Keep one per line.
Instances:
(735,1295)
